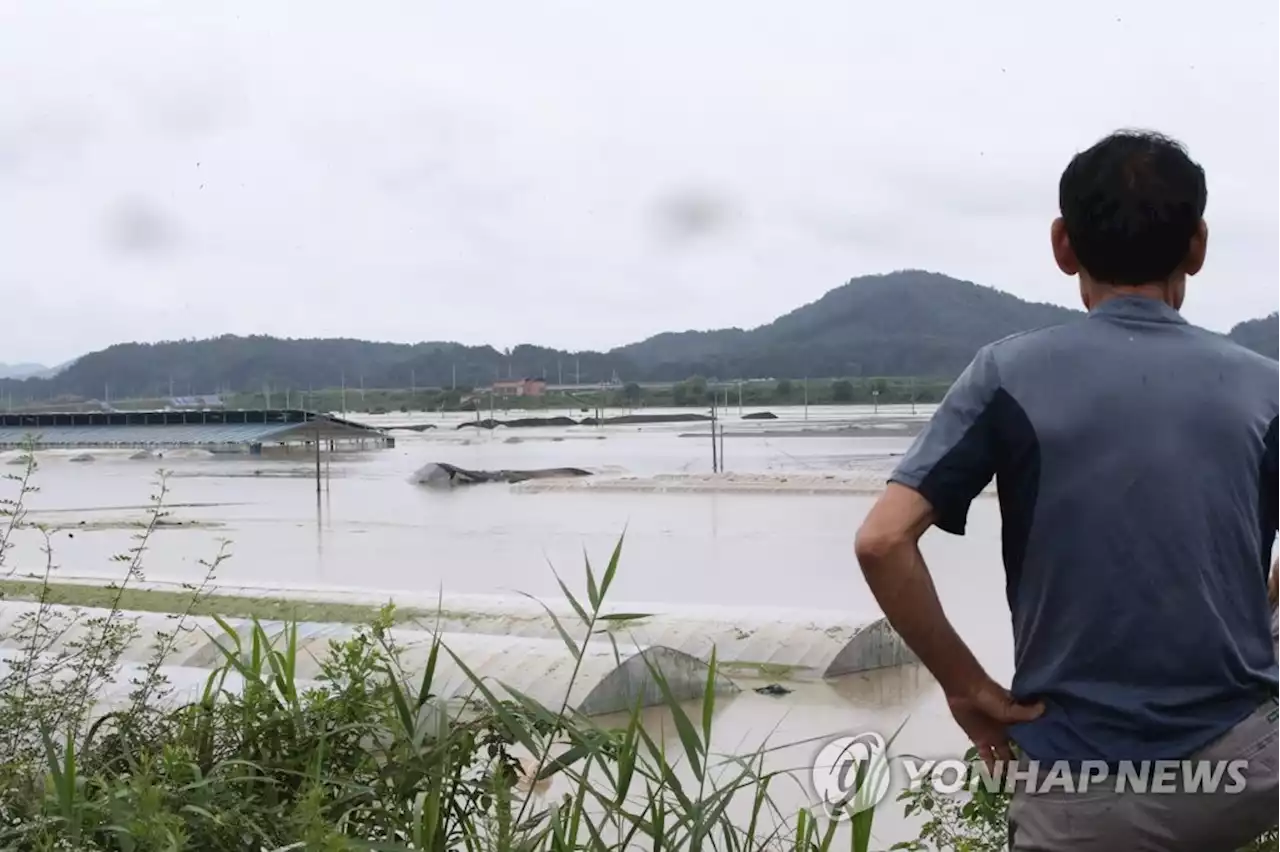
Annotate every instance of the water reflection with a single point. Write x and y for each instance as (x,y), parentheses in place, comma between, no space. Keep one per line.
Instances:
(899,687)
(782,735)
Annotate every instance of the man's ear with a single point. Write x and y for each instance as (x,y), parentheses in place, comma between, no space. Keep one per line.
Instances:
(1063,253)
(1197,250)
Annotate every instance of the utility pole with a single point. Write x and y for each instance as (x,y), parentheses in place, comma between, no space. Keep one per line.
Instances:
(317,457)
(806,397)
(715,461)
(559,372)
(343,375)
(722,468)
(577,371)
(455,377)
(413,382)
(739,397)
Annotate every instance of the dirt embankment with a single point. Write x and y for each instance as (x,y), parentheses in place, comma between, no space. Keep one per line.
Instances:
(621,420)
(845,482)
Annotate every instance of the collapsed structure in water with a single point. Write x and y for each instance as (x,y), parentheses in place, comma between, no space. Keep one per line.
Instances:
(442,475)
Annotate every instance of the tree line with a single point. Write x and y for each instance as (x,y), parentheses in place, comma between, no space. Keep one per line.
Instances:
(903,324)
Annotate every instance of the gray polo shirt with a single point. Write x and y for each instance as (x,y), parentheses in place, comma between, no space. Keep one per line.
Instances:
(1135,464)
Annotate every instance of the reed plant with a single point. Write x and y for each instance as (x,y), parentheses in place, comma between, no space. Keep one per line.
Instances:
(366,755)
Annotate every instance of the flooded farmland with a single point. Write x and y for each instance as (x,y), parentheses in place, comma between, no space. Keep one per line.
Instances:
(371,532)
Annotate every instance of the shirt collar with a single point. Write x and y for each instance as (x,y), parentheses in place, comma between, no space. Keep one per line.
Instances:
(1140,308)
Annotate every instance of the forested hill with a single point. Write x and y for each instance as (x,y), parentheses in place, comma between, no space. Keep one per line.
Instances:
(902,324)
(1262,335)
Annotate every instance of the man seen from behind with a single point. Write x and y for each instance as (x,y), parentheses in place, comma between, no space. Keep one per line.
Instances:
(1134,457)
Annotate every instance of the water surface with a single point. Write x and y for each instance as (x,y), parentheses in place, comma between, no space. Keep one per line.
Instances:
(370,529)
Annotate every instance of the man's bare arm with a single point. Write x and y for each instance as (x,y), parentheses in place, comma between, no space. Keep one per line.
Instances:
(888,549)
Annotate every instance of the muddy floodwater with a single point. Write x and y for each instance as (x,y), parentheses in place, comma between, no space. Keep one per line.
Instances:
(371,529)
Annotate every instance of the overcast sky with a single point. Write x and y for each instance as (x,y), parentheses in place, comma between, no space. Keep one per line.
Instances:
(584,174)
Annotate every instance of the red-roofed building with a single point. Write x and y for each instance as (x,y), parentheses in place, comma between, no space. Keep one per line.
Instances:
(519,387)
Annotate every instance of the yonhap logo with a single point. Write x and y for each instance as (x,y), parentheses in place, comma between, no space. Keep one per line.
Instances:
(851,774)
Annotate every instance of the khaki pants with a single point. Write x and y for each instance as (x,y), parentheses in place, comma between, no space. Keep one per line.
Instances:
(1106,820)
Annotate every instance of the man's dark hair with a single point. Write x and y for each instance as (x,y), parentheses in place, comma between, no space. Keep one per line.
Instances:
(1131,205)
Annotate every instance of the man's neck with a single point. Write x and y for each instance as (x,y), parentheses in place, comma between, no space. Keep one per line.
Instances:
(1105,293)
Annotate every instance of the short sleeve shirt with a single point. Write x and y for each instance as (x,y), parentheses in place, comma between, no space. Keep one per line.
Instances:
(1135,465)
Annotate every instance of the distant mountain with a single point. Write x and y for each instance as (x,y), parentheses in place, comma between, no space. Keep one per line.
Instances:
(22,371)
(904,323)
(907,323)
(1261,335)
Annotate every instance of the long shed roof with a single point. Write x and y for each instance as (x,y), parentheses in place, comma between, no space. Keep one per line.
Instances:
(176,428)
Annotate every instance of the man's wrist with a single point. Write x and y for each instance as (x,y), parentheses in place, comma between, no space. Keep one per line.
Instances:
(965,681)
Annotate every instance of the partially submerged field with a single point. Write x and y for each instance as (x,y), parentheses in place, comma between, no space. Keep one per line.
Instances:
(364,746)
(105,751)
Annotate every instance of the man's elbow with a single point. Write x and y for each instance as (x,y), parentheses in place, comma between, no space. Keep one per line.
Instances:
(890,531)
(875,546)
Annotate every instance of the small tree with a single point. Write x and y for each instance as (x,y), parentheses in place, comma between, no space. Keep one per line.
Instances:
(632,393)
(782,390)
(842,390)
(680,394)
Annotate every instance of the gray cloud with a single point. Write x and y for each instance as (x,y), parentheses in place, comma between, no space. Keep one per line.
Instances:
(611,170)
(135,226)
(693,214)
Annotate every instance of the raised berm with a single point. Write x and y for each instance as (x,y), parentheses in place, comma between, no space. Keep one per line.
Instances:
(518,423)
(606,681)
(619,420)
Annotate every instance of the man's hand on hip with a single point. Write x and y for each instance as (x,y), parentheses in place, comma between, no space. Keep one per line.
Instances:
(985,713)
